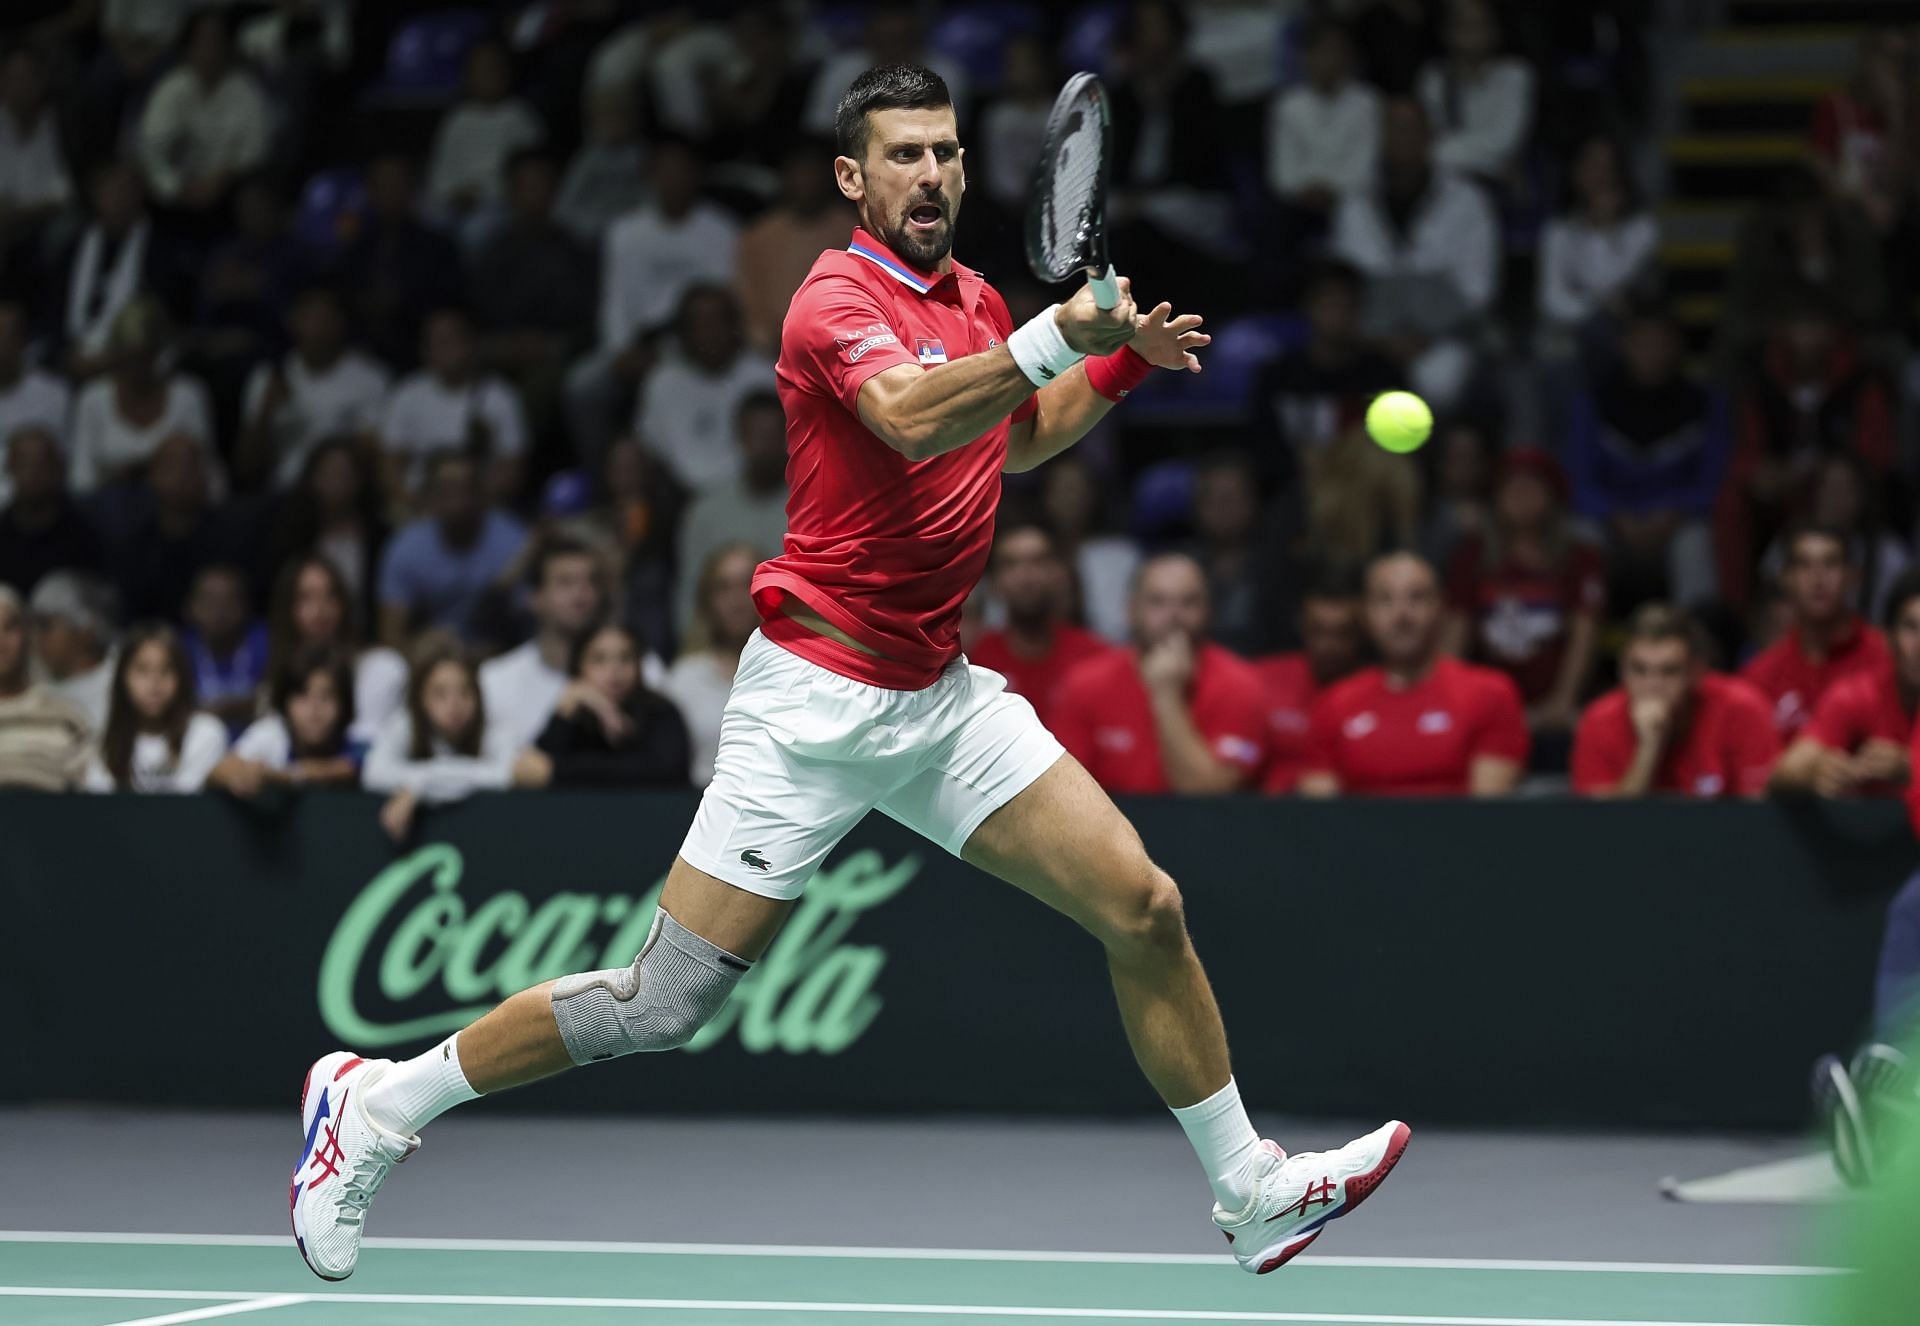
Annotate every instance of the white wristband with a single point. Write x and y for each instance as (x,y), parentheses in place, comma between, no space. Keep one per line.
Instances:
(1040,350)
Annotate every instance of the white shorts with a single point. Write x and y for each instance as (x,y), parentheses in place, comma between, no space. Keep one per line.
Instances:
(805,753)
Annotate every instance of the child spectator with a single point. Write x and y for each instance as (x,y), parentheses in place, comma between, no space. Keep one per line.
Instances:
(227,649)
(1480,101)
(451,405)
(608,730)
(1595,253)
(155,741)
(319,390)
(701,678)
(43,739)
(466,172)
(440,748)
(302,739)
(1826,641)
(311,610)
(1038,646)
(1859,741)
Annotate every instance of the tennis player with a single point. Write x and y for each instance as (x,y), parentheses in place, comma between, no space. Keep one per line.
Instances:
(908,392)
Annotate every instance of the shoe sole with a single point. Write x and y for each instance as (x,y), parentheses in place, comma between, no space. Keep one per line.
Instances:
(1358,1189)
(293,1184)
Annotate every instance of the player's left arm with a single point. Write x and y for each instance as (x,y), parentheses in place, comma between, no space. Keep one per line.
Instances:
(1066,409)
(1500,753)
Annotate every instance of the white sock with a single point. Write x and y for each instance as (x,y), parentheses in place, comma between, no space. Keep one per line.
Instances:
(415,1092)
(1224,1139)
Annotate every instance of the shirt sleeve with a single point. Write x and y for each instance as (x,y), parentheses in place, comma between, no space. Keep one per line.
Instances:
(205,742)
(1598,761)
(1238,732)
(837,336)
(1756,748)
(1502,729)
(1836,722)
(1321,754)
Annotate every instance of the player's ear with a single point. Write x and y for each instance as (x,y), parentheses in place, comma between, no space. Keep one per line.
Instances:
(851,179)
(961,156)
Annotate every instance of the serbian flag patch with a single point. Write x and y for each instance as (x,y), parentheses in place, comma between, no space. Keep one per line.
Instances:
(931,352)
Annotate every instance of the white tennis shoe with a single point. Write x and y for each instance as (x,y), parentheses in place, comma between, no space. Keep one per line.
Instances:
(343,1161)
(1294,1197)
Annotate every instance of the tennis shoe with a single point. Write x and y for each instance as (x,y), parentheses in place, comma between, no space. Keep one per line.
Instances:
(343,1161)
(1296,1197)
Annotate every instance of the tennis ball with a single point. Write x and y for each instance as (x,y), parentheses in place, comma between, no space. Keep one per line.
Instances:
(1399,421)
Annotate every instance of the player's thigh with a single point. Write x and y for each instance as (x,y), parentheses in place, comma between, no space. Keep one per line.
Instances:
(731,918)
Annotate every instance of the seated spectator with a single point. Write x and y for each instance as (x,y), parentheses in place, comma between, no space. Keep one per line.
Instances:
(119,256)
(1825,642)
(466,171)
(441,747)
(1173,713)
(1480,102)
(122,418)
(29,397)
(1844,497)
(1527,596)
(534,285)
(1594,254)
(176,533)
(319,390)
(303,738)
(700,679)
(1673,726)
(1103,562)
(397,268)
(154,740)
(1429,245)
(893,36)
(1857,743)
(779,249)
(567,599)
(313,611)
(1860,131)
(1463,460)
(43,739)
(450,405)
(226,648)
(246,286)
(34,183)
(41,530)
(750,508)
(608,729)
(688,404)
(1420,723)
(1013,128)
(73,642)
(337,512)
(437,568)
(607,177)
(1323,133)
(756,106)
(206,124)
(1039,645)
(1330,650)
(1225,515)
(632,513)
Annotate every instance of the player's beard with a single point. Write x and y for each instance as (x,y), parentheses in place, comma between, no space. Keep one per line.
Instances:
(923,248)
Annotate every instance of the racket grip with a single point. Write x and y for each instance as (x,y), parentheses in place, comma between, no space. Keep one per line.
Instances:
(1106,290)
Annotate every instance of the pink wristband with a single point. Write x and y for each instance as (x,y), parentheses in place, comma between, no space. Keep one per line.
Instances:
(1114,375)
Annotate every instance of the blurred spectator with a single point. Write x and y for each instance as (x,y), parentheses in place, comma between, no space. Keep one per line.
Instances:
(1038,646)
(1594,253)
(1862,133)
(206,124)
(1225,511)
(1313,393)
(1646,449)
(397,269)
(1857,743)
(1826,641)
(608,729)
(1463,460)
(449,404)
(1420,723)
(246,287)
(636,515)
(226,647)
(1480,102)
(311,610)
(466,171)
(336,512)
(567,599)
(440,748)
(1331,644)
(688,405)
(41,530)
(34,183)
(1673,726)
(176,532)
(43,739)
(437,568)
(320,389)
(120,256)
(1102,562)
(1173,713)
(778,250)
(701,678)
(73,641)
(29,397)
(154,739)
(894,35)
(756,106)
(1430,247)
(607,177)
(1844,497)
(302,739)
(534,285)
(1323,133)
(1014,127)
(1361,502)
(1394,38)
(1527,596)
(122,419)
(679,58)
(750,508)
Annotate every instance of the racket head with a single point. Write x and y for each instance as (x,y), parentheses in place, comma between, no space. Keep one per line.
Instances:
(1067,202)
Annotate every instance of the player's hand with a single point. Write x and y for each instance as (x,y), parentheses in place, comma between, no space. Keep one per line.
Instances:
(1881,761)
(533,768)
(396,817)
(1168,665)
(1651,719)
(1169,342)
(1093,330)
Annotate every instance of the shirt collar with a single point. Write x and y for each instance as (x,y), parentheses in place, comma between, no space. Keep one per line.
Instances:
(868,249)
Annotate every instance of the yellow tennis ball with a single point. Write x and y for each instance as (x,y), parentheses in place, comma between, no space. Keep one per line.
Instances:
(1399,421)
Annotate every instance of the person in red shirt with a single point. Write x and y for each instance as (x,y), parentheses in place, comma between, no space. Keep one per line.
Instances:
(1422,723)
(1826,641)
(1859,741)
(1672,726)
(908,392)
(1037,647)
(1331,642)
(1173,713)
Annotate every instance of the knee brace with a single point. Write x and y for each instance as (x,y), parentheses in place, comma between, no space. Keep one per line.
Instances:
(673,989)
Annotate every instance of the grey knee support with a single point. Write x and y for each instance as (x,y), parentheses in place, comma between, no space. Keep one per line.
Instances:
(673,989)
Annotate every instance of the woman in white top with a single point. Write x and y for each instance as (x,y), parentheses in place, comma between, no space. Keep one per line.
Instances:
(154,741)
(122,418)
(303,739)
(1592,255)
(311,609)
(701,678)
(1479,102)
(440,748)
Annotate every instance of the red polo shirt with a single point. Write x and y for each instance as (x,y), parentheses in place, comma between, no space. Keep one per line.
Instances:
(884,548)
(1728,748)
(1291,691)
(1105,718)
(1520,618)
(1794,683)
(1038,679)
(1858,709)
(1381,738)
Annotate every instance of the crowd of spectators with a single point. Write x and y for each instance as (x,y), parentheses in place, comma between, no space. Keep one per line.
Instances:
(414,428)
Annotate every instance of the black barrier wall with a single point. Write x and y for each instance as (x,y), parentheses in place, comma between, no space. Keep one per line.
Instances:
(1534,962)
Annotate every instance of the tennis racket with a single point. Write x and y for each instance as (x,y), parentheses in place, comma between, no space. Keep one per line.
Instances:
(1067,206)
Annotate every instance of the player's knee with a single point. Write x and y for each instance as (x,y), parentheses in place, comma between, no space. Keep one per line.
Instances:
(674,988)
(1150,920)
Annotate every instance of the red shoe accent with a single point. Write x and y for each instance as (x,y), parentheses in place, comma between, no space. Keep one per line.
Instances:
(348,1067)
(1275,1263)
(1362,1184)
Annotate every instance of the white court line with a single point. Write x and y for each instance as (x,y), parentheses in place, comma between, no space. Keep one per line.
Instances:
(919,1254)
(218,1310)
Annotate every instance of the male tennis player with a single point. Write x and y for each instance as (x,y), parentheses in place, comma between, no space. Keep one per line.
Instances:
(908,392)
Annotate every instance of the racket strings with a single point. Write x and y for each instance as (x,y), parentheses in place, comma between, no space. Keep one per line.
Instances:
(1075,181)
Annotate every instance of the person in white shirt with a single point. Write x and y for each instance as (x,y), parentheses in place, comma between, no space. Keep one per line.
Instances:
(688,403)
(312,610)
(700,680)
(1480,102)
(321,389)
(441,748)
(749,509)
(121,419)
(567,599)
(607,177)
(449,405)
(29,397)
(466,172)
(303,738)
(1592,255)
(34,183)
(1014,127)
(207,122)
(1323,134)
(154,740)
(73,627)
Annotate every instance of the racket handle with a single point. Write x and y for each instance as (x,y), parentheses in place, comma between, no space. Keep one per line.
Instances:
(1106,290)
